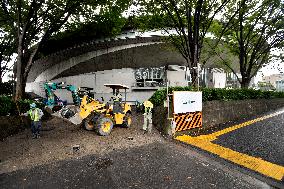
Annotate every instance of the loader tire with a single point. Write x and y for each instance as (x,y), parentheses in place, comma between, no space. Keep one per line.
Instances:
(127,120)
(104,126)
(89,123)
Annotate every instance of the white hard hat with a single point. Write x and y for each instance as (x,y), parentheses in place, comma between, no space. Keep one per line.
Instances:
(32,105)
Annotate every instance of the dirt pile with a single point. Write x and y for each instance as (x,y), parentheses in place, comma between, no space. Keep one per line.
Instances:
(11,125)
(61,140)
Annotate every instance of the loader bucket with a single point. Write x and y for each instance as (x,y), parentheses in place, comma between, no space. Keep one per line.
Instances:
(69,113)
(76,119)
(76,114)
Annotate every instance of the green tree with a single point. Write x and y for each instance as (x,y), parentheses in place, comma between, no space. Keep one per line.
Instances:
(252,35)
(7,48)
(7,42)
(189,19)
(36,21)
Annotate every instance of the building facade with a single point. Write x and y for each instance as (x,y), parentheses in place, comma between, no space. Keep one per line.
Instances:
(280,85)
(273,78)
(139,62)
(144,63)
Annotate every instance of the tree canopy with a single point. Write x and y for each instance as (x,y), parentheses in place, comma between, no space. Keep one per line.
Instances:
(248,29)
(186,22)
(7,42)
(7,48)
(256,30)
(36,21)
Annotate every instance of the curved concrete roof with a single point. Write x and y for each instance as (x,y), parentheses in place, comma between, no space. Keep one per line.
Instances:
(105,55)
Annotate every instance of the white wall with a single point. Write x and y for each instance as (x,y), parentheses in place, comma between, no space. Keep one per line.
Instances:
(280,85)
(176,78)
(273,78)
(97,80)
(123,76)
(35,87)
(217,80)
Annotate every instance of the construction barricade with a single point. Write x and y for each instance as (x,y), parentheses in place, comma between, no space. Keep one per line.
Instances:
(187,110)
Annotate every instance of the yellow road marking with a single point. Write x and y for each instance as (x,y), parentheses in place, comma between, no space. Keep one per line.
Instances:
(256,164)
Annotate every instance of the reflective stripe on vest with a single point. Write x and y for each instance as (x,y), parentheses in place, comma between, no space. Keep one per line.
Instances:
(148,109)
(34,114)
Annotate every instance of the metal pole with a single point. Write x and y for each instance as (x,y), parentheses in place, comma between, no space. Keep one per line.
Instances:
(168,103)
(197,77)
(125,96)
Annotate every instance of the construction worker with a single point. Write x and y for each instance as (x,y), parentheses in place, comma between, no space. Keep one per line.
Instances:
(117,98)
(147,126)
(35,114)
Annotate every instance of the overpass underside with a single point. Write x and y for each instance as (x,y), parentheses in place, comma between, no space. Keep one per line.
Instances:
(135,63)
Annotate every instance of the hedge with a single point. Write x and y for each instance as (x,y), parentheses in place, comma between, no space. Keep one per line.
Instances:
(209,94)
(9,107)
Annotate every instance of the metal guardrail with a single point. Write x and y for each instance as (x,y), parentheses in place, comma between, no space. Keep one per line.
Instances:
(148,84)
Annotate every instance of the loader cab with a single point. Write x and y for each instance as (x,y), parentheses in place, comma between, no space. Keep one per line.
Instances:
(116,90)
(118,107)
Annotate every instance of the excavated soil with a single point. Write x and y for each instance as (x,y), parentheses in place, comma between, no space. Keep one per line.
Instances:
(61,140)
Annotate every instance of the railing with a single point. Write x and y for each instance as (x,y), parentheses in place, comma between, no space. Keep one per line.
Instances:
(148,84)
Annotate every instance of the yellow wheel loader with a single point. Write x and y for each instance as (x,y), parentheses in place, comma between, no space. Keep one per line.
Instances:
(101,117)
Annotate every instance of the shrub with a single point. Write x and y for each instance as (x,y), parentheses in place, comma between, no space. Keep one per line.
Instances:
(9,107)
(209,94)
(6,105)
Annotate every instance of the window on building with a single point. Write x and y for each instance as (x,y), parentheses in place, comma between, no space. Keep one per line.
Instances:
(150,77)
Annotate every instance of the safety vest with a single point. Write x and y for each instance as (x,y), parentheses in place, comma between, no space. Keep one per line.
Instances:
(148,106)
(117,98)
(34,114)
(148,109)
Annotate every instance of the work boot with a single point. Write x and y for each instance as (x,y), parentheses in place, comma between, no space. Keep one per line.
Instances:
(37,135)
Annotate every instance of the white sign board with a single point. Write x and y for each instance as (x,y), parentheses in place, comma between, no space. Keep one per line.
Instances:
(187,101)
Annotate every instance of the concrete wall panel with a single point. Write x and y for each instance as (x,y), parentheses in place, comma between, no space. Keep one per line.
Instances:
(177,78)
(219,112)
(97,80)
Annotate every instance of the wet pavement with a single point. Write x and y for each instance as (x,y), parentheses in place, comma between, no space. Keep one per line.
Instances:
(263,139)
(157,165)
(255,146)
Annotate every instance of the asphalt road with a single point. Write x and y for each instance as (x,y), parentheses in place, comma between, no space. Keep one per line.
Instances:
(264,139)
(157,165)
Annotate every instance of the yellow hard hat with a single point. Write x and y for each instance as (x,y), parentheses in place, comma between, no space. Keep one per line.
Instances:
(148,104)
